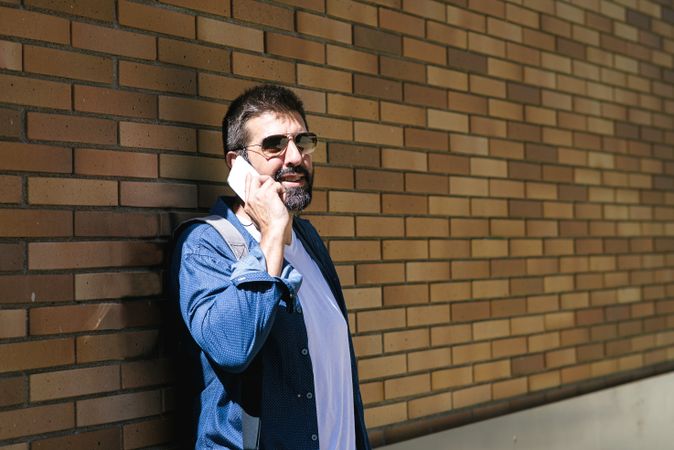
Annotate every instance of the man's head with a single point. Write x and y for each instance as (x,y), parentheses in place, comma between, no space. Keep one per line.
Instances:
(266,125)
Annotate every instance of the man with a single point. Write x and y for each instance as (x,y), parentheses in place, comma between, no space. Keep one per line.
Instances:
(276,366)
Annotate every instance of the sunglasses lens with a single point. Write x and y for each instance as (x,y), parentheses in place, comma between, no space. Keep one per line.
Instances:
(274,144)
(306,142)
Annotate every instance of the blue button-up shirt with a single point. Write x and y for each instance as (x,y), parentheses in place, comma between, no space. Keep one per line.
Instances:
(253,369)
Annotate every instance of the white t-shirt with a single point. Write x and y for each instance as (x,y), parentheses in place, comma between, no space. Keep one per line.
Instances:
(327,332)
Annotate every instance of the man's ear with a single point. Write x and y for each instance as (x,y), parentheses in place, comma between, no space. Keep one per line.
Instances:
(229,158)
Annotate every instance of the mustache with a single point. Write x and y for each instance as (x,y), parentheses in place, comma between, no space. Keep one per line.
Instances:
(297,170)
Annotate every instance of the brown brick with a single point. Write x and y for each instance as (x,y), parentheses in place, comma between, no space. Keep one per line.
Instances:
(157,78)
(116,285)
(75,382)
(229,35)
(31,25)
(447,378)
(108,40)
(152,18)
(35,288)
(35,158)
(466,312)
(150,432)
(296,48)
(10,123)
(377,87)
(32,223)
(121,224)
(324,78)
(12,391)
(69,191)
(380,273)
(220,9)
(71,255)
(115,102)
(324,27)
(36,420)
(12,55)
(115,346)
(405,294)
(101,316)
(436,140)
(265,68)
(66,64)
(96,9)
(36,354)
(262,13)
(157,136)
(21,90)
(377,40)
(105,439)
(189,110)
(378,180)
(192,55)
(118,407)
(363,298)
(54,127)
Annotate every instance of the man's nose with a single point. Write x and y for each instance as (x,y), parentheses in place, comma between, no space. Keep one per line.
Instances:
(293,156)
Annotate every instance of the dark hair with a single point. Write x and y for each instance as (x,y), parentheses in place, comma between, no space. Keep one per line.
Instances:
(252,103)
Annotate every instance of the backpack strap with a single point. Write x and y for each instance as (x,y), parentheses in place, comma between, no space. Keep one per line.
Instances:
(228,232)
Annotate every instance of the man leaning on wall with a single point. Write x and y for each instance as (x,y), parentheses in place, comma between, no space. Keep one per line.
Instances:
(273,359)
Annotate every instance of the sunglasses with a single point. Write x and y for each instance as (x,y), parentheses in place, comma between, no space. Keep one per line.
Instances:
(274,146)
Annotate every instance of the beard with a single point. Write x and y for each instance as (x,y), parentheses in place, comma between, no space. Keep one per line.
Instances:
(296,199)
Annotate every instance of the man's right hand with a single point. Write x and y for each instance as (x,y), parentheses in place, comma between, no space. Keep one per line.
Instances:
(264,205)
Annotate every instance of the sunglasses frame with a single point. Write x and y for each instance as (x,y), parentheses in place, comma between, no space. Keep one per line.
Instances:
(281,152)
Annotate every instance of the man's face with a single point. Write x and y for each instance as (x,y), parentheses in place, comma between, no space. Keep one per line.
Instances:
(292,169)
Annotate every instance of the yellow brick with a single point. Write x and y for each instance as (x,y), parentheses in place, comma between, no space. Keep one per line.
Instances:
(544,380)
(367,345)
(491,329)
(427,315)
(378,134)
(450,334)
(381,319)
(382,366)
(354,202)
(407,386)
(526,325)
(346,105)
(385,415)
(398,341)
(443,292)
(491,288)
(404,159)
(405,249)
(462,354)
(355,250)
(427,406)
(489,248)
(362,298)
(471,396)
(446,120)
(429,359)
(447,78)
(492,371)
(449,378)
(372,392)
(427,271)
(510,388)
(542,342)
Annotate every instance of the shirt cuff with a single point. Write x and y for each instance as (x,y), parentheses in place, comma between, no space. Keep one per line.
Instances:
(253,268)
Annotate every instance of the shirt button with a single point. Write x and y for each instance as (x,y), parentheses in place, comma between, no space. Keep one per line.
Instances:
(305,352)
(291,296)
(314,437)
(298,310)
(310,395)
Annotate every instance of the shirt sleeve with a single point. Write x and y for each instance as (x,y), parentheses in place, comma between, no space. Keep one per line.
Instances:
(228,305)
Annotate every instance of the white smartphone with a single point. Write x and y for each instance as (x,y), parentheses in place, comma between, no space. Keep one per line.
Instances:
(237,176)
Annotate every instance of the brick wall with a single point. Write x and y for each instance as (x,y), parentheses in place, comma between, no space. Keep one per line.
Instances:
(495,183)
